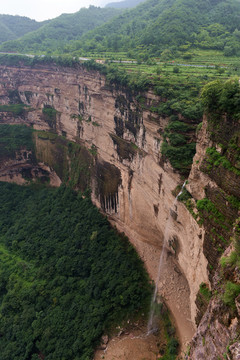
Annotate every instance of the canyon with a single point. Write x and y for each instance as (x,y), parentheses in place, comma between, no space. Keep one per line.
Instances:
(119,142)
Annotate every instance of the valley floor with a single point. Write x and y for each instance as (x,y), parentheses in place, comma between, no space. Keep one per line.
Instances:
(133,345)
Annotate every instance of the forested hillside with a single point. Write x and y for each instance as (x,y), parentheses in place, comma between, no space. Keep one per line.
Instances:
(13,27)
(59,31)
(65,275)
(153,26)
(176,24)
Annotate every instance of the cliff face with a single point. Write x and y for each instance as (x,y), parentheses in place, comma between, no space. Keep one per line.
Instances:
(130,181)
(217,336)
(214,182)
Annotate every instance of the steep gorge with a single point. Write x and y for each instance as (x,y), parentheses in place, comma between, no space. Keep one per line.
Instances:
(130,180)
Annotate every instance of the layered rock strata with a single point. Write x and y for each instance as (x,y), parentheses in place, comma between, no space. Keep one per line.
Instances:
(215,179)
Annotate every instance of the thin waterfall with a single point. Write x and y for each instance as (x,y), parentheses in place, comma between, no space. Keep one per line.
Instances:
(165,237)
(130,204)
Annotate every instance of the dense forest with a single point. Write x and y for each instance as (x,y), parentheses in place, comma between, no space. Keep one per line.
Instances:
(66,276)
(160,25)
(153,26)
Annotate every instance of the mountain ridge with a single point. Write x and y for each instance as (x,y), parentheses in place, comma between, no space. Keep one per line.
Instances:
(124,4)
(60,30)
(153,26)
(15,26)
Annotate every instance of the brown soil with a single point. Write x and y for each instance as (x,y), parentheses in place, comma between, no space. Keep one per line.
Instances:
(173,288)
(133,345)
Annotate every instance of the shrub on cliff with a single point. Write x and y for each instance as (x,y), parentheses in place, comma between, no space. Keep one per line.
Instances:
(220,98)
(231,292)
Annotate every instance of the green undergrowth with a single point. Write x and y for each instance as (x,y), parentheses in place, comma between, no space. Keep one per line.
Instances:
(126,149)
(208,213)
(172,345)
(205,292)
(177,145)
(221,98)
(71,161)
(168,343)
(50,115)
(232,260)
(22,60)
(66,276)
(185,196)
(180,157)
(207,208)
(14,109)
(14,138)
(230,266)
(215,159)
(203,298)
(231,291)
(187,199)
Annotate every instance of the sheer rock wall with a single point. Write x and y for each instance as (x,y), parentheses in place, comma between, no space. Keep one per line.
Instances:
(131,183)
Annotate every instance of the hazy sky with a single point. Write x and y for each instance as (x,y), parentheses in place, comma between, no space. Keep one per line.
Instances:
(45,9)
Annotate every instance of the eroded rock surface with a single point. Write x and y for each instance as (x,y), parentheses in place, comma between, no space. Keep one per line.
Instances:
(137,195)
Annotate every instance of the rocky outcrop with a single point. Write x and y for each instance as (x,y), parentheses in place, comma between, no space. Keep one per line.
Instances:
(130,180)
(24,170)
(217,336)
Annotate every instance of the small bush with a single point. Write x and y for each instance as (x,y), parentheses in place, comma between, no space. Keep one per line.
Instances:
(231,292)
(15,109)
(178,126)
(231,260)
(205,292)
(207,206)
(199,127)
(185,195)
(50,115)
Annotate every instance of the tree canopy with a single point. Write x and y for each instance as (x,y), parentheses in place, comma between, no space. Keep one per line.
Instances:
(65,275)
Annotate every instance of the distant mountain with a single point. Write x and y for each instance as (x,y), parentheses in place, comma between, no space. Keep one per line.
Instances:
(124,4)
(59,31)
(155,25)
(148,29)
(13,27)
